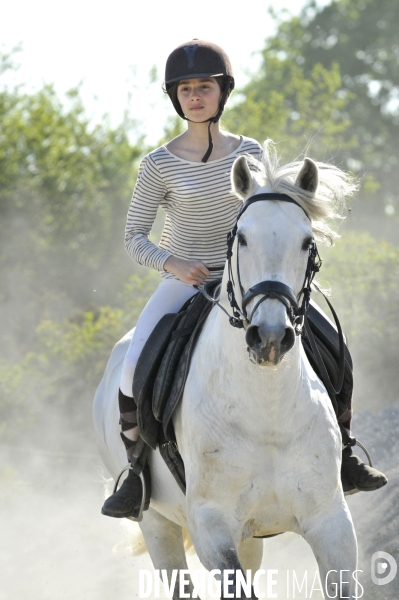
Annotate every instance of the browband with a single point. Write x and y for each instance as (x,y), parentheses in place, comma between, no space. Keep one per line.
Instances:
(269,196)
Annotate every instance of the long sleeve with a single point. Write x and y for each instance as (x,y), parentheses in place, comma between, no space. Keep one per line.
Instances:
(149,191)
(198,202)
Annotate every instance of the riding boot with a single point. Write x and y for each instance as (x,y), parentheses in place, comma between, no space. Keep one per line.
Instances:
(356,475)
(127,500)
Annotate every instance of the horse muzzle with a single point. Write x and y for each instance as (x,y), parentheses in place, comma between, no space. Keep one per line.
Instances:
(267,345)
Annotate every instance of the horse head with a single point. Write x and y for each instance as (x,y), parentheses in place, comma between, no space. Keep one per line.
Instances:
(271,250)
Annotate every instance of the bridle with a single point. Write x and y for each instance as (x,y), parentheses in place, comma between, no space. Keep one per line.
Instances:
(296,312)
(269,289)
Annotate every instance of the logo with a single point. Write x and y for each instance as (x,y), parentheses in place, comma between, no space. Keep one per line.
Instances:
(190,51)
(383,568)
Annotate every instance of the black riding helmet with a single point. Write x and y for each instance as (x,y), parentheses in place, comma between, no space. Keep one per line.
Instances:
(199,58)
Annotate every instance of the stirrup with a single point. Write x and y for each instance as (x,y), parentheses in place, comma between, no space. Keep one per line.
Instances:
(365,451)
(357,443)
(144,491)
(356,490)
(347,440)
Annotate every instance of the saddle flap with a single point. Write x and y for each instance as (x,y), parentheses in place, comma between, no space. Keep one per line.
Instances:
(327,340)
(180,376)
(145,373)
(323,329)
(179,339)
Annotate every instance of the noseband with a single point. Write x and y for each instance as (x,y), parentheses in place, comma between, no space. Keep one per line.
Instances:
(270,289)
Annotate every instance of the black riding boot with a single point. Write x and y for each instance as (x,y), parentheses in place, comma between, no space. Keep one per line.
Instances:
(356,474)
(127,500)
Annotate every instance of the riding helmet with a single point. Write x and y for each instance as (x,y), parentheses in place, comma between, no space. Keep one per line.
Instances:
(198,58)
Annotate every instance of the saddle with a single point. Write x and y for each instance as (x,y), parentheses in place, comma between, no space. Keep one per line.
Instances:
(161,373)
(164,363)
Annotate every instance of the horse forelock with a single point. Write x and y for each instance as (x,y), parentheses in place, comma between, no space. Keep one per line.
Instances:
(329,202)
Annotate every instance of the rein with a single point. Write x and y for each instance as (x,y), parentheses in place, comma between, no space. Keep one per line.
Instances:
(296,312)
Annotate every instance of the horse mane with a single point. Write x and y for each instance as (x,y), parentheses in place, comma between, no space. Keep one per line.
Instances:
(328,203)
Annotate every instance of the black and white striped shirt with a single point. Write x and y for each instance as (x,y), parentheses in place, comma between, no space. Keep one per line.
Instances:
(199,205)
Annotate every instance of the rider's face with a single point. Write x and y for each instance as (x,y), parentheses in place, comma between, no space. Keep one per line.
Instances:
(199,98)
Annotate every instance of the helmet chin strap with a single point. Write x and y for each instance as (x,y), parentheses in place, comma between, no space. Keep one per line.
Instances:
(207,154)
(210,144)
(215,119)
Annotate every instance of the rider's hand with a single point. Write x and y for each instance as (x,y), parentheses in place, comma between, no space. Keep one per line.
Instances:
(189,271)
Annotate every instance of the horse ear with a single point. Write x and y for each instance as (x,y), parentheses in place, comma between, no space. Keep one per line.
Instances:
(241,177)
(308,176)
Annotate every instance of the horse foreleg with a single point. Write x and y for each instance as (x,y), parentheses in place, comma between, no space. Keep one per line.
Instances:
(164,541)
(334,545)
(218,551)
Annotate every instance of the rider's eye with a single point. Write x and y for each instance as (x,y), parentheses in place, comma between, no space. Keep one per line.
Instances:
(307,243)
(241,239)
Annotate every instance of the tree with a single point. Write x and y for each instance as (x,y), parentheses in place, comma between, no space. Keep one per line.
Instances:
(64,192)
(356,40)
(283,104)
(363,273)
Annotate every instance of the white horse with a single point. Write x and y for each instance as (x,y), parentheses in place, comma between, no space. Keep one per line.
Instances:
(256,429)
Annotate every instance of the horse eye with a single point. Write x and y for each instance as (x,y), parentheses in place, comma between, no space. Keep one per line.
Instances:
(241,239)
(307,242)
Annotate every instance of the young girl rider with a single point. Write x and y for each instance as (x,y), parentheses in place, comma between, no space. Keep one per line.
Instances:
(190,178)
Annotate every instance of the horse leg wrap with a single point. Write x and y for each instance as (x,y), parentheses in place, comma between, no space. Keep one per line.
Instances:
(128,421)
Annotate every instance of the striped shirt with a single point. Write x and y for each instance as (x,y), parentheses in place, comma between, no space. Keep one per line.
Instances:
(199,205)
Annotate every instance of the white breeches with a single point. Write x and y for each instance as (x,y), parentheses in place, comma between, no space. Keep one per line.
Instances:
(169,297)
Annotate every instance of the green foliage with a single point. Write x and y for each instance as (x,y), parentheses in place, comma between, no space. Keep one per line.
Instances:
(83,342)
(68,360)
(65,187)
(20,384)
(361,266)
(363,273)
(174,126)
(283,104)
(336,70)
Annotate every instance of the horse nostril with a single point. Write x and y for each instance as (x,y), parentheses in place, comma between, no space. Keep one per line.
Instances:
(288,340)
(253,338)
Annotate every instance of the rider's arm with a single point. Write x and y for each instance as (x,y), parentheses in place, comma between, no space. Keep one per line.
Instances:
(149,191)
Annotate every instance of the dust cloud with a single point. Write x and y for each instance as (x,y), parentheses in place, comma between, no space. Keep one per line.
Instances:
(57,546)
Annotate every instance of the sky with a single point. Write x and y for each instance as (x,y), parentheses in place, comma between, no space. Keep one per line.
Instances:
(109,47)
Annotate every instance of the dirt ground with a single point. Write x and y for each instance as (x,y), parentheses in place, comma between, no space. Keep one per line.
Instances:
(55,544)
